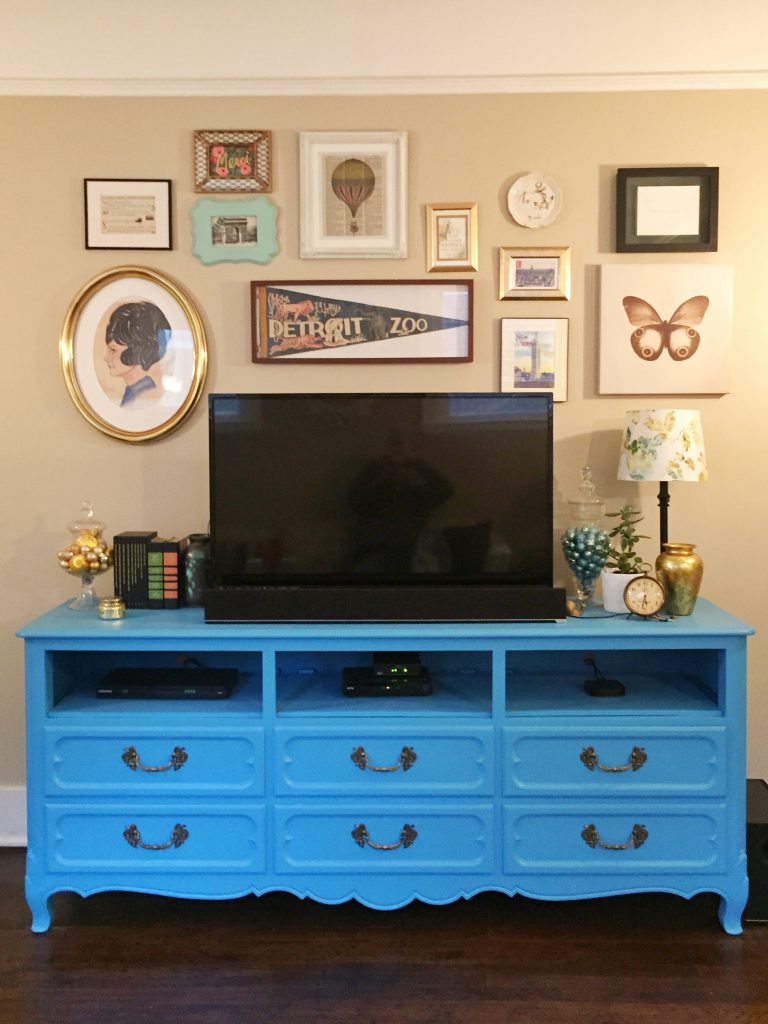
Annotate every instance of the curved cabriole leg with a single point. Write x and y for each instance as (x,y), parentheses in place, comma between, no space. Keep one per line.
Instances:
(732,907)
(40,905)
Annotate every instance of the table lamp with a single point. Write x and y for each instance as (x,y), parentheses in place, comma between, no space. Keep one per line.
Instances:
(662,445)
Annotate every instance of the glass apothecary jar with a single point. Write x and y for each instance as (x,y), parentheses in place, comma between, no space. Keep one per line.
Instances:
(86,556)
(586,545)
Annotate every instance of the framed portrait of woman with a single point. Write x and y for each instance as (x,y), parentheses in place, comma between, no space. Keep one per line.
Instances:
(133,353)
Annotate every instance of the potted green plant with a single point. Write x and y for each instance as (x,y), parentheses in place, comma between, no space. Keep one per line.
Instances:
(624,562)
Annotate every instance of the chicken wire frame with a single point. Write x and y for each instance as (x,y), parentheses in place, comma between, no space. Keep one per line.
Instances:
(334,227)
(234,160)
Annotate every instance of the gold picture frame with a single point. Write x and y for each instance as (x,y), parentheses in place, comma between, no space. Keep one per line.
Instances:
(451,236)
(133,353)
(535,273)
(233,160)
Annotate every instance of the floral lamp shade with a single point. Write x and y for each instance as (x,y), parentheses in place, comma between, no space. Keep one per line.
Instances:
(663,444)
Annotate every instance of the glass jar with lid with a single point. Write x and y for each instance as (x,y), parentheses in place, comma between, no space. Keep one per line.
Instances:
(585,544)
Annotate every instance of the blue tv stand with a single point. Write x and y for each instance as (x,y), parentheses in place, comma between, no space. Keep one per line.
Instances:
(508,778)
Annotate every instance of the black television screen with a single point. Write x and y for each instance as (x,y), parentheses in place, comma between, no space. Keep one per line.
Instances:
(388,491)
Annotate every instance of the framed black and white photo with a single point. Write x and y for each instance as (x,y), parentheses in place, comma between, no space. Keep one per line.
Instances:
(235,230)
(666,209)
(127,213)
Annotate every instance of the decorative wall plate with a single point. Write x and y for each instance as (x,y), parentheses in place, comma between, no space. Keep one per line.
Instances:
(535,200)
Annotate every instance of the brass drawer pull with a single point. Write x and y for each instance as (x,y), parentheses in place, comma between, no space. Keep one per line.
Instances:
(362,838)
(406,759)
(132,836)
(132,759)
(637,837)
(637,758)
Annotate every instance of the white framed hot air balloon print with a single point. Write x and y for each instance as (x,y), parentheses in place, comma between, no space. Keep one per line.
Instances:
(353,195)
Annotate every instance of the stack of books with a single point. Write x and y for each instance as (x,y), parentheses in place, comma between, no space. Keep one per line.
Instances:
(147,569)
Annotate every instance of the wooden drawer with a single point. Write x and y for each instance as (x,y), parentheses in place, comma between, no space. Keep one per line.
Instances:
(673,838)
(91,761)
(448,838)
(388,761)
(93,838)
(615,761)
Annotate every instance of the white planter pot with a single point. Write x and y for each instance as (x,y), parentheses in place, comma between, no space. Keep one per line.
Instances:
(613,589)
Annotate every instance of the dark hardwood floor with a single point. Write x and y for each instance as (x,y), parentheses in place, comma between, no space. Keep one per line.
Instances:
(120,957)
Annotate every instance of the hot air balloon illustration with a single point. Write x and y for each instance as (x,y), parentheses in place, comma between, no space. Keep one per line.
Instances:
(352,182)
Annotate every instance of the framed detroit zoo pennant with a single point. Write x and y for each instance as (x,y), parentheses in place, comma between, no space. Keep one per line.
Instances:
(361,321)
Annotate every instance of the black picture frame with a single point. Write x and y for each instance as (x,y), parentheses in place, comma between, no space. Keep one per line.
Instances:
(128,213)
(630,234)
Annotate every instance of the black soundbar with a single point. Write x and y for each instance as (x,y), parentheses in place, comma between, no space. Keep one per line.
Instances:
(385,604)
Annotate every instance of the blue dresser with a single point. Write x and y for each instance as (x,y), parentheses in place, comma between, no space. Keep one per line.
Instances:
(509,777)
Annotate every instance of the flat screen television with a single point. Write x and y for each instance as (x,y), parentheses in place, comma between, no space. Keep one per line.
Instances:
(381,507)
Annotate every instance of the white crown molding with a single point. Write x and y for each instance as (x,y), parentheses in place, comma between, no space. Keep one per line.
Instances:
(388,86)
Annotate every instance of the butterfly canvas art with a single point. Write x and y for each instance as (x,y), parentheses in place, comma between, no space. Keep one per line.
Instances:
(665,329)
(652,335)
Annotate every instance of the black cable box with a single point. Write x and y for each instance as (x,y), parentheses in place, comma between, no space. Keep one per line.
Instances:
(365,681)
(397,664)
(168,683)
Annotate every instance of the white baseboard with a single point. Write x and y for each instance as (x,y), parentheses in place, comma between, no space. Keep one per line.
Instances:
(13,816)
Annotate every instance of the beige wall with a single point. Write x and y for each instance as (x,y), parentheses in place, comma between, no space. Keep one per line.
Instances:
(461,149)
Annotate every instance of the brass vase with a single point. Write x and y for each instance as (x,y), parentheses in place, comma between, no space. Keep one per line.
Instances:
(679,570)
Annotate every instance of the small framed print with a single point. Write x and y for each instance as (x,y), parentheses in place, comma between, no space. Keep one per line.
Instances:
(233,161)
(452,236)
(353,195)
(666,209)
(535,273)
(127,213)
(239,231)
(534,355)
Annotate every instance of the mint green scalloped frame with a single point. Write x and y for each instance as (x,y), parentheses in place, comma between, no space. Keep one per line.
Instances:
(263,250)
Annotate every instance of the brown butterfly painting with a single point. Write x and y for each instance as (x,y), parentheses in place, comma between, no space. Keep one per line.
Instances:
(652,334)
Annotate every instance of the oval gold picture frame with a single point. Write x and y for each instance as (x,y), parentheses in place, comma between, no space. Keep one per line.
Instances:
(133,353)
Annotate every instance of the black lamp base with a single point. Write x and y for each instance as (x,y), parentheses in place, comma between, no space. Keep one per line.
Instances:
(663,513)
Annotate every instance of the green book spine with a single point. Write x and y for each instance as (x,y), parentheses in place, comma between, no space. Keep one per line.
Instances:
(163,562)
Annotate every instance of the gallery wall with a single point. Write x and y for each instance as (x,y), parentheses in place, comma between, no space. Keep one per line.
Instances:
(461,149)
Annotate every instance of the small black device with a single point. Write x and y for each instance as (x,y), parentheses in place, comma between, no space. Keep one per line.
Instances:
(397,664)
(392,674)
(168,683)
(600,686)
(363,682)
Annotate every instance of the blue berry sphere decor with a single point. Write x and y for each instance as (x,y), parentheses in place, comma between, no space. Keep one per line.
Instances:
(586,549)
